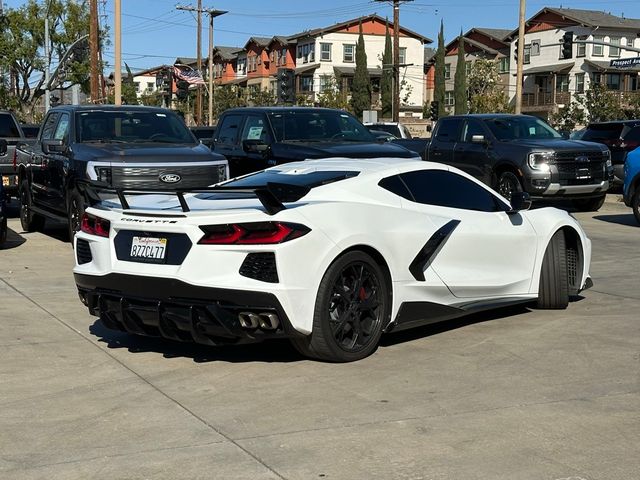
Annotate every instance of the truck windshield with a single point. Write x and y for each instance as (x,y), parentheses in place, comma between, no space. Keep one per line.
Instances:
(519,128)
(318,126)
(131,126)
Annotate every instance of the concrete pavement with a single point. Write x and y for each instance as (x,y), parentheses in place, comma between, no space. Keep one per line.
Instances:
(514,394)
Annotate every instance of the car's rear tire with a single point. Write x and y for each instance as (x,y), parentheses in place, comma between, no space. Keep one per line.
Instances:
(352,305)
(3,231)
(29,220)
(75,210)
(590,204)
(635,204)
(553,291)
(508,183)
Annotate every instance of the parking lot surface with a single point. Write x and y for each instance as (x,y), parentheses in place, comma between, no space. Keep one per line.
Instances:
(514,394)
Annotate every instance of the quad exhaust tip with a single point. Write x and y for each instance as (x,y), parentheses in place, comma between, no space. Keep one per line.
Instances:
(266,320)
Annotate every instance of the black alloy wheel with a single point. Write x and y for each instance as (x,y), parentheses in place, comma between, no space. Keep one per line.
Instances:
(29,220)
(351,307)
(508,183)
(75,210)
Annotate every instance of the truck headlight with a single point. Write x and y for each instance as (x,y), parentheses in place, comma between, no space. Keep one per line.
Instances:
(540,160)
(103,174)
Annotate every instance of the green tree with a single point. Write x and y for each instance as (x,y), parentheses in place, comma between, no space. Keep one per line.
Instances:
(261,98)
(22,49)
(460,81)
(601,104)
(386,81)
(361,94)
(486,95)
(568,117)
(331,96)
(438,93)
(225,97)
(129,95)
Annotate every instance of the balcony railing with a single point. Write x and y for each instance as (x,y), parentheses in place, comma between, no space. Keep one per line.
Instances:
(544,99)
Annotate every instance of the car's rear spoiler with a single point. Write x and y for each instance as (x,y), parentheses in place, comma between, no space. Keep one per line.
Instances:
(272,195)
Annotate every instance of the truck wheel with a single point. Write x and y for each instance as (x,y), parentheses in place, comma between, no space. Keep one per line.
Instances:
(351,307)
(29,220)
(508,183)
(635,204)
(75,210)
(3,231)
(553,290)
(589,204)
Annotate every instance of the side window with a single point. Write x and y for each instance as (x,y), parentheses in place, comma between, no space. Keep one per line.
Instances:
(447,189)
(49,127)
(471,128)
(448,130)
(8,127)
(62,130)
(395,185)
(229,130)
(633,135)
(255,128)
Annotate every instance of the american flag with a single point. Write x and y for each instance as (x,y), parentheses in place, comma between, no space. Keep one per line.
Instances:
(189,75)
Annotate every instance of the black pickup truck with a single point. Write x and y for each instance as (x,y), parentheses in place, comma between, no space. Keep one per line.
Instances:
(514,153)
(256,138)
(12,134)
(129,147)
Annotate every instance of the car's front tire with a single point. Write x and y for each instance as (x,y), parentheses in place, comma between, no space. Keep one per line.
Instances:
(352,304)
(635,204)
(590,204)
(29,220)
(553,290)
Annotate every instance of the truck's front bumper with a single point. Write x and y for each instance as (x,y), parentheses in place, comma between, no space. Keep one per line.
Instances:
(169,308)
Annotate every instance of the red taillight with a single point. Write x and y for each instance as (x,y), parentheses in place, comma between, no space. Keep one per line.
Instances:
(95,225)
(260,233)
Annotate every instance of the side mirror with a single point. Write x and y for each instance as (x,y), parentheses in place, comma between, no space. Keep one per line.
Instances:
(254,146)
(566,135)
(478,139)
(519,201)
(53,146)
(3,146)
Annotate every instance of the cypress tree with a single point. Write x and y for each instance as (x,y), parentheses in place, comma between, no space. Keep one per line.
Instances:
(438,94)
(361,94)
(460,81)
(386,82)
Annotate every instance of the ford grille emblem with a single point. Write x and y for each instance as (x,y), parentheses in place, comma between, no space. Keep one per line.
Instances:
(582,159)
(170,178)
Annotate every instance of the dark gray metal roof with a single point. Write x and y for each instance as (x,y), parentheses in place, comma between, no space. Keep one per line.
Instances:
(496,33)
(227,53)
(594,18)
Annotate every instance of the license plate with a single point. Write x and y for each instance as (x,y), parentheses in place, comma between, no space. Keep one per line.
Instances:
(583,174)
(149,248)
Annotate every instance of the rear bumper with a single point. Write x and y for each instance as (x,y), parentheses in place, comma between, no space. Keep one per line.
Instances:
(169,308)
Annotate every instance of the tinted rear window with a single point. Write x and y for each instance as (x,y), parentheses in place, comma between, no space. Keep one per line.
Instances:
(595,133)
(8,127)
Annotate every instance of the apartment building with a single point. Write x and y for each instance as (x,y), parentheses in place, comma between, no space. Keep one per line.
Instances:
(550,81)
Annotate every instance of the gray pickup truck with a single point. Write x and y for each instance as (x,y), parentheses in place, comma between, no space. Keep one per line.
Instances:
(127,147)
(11,132)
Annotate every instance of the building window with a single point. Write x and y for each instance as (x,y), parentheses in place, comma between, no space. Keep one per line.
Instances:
(613,81)
(614,51)
(527,55)
(137,85)
(283,56)
(447,71)
(325,83)
(629,42)
(448,99)
(504,65)
(349,53)
(403,55)
(579,82)
(535,48)
(467,68)
(581,49)
(596,78)
(598,50)
(306,83)
(562,83)
(325,52)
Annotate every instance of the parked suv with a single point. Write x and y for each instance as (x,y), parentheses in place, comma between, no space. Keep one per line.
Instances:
(514,153)
(631,189)
(620,136)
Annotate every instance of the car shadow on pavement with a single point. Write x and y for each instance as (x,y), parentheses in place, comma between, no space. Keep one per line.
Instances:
(394,338)
(278,351)
(14,240)
(623,219)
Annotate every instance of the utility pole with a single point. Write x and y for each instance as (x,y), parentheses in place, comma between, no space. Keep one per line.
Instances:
(93,50)
(396,58)
(520,60)
(117,22)
(212,14)
(199,57)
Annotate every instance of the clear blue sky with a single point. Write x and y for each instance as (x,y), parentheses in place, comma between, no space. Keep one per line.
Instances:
(154,32)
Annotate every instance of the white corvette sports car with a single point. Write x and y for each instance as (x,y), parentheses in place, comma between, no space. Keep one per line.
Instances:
(329,253)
